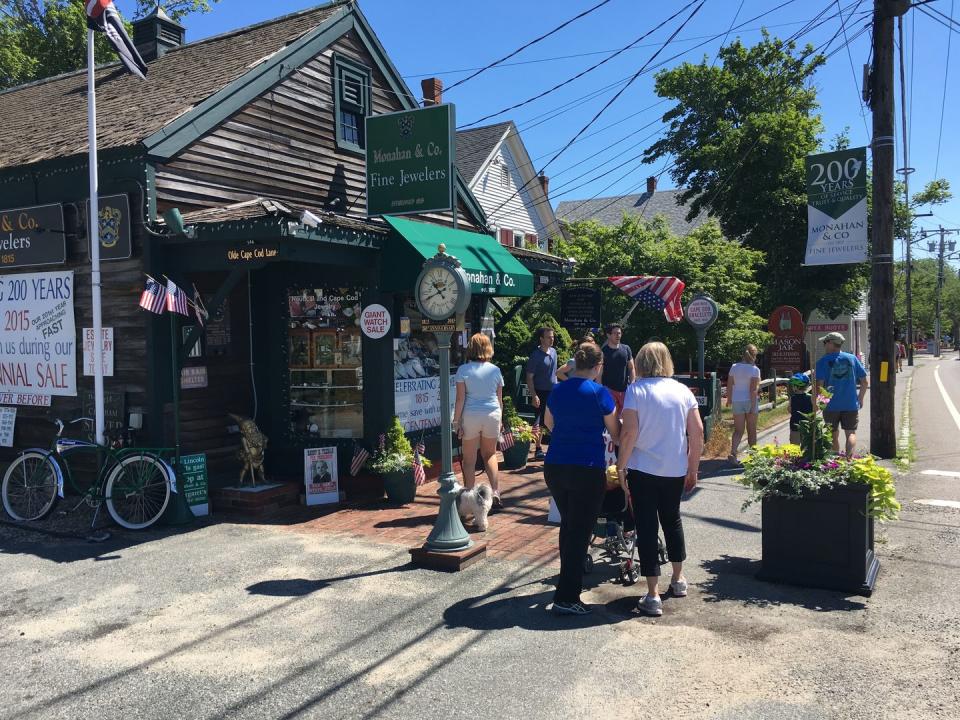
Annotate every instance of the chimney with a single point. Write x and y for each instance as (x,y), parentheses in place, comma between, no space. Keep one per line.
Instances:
(432,91)
(651,185)
(544,183)
(156,33)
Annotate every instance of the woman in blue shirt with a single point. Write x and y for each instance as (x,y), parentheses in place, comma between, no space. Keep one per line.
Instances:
(578,411)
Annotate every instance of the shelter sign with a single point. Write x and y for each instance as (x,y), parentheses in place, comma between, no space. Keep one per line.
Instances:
(410,161)
(837,207)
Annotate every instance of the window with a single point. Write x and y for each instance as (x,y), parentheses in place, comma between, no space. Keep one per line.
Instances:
(352,103)
(518,239)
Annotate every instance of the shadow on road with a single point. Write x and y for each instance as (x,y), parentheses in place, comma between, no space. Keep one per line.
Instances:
(733,578)
(299,587)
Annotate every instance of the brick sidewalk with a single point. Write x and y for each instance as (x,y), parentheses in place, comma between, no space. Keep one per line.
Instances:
(519,531)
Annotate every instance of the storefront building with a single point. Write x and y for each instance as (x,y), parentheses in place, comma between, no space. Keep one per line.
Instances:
(256,138)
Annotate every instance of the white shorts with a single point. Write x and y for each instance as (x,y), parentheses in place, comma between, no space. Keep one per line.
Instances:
(482,424)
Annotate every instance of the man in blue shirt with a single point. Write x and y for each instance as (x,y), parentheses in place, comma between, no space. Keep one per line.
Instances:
(843,375)
(541,374)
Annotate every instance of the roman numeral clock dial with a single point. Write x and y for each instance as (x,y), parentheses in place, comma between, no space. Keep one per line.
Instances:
(442,289)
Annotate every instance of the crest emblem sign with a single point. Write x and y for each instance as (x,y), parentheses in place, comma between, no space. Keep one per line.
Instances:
(115,237)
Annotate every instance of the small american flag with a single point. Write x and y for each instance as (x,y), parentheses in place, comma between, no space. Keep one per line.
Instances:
(536,431)
(506,440)
(360,455)
(419,475)
(153,298)
(176,299)
(657,293)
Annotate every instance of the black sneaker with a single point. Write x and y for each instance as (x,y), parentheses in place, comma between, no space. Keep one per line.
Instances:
(565,608)
(539,455)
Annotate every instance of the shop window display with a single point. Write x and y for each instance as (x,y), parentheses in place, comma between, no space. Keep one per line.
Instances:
(325,362)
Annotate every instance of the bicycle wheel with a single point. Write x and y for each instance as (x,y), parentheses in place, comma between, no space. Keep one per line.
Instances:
(137,491)
(30,486)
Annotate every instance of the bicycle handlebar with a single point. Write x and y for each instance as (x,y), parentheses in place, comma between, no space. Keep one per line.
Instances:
(60,425)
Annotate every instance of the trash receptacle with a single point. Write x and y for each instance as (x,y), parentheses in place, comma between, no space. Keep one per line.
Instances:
(707,392)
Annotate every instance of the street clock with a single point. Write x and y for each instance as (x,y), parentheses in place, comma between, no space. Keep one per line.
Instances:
(443,288)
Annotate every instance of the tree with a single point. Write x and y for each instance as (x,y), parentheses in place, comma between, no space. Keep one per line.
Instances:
(704,259)
(739,134)
(924,285)
(40,38)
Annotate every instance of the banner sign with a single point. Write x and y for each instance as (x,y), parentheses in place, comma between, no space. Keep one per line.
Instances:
(837,207)
(417,402)
(580,307)
(115,242)
(320,476)
(38,338)
(410,161)
(106,351)
(193,480)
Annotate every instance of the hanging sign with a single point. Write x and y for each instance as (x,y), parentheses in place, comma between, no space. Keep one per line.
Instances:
(8,421)
(837,207)
(410,161)
(580,307)
(106,351)
(114,211)
(375,321)
(32,236)
(320,476)
(193,479)
(38,339)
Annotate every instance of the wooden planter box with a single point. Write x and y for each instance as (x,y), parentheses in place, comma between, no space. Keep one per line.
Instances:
(823,540)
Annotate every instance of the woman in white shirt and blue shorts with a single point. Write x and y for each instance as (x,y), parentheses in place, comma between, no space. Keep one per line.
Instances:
(743,381)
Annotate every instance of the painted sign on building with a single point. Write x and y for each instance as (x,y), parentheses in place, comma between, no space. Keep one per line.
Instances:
(32,236)
(837,207)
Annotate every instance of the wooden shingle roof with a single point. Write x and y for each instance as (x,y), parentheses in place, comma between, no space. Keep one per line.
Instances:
(47,119)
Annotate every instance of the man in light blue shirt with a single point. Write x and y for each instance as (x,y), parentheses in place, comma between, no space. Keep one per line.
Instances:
(843,375)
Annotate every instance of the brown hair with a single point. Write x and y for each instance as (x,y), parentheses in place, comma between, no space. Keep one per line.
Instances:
(750,353)
(588,356)
(654,360)
(479,348)
(587,337)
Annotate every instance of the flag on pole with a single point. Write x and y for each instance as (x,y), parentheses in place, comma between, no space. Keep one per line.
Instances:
(176,299)
(199,308)
(104,17)
(419,475)
(360,455)
(506,439)
(153,298)
(657,293)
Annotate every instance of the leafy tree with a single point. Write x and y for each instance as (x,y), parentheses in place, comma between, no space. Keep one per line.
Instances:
(924,287)
(517,339)
(40,38)
(739,134)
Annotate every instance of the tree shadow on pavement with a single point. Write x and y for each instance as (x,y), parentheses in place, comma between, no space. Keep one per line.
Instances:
(734,578)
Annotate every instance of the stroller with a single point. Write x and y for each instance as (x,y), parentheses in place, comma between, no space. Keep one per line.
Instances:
(614,534)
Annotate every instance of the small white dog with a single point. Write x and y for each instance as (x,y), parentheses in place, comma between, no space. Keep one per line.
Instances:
(476,503)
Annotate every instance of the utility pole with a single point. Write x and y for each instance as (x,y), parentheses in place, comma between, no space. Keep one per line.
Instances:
(906,170)
(937,334)
(883,434)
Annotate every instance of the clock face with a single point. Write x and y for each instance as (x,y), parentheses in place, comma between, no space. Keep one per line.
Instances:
(438,293)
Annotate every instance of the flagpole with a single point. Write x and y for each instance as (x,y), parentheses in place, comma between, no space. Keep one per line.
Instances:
(95,239)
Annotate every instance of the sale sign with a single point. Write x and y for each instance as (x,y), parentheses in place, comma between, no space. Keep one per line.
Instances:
(375,321)
(38,338)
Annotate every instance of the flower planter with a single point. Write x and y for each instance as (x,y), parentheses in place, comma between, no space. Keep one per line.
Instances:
(515,457)
(822,540)
(400,486)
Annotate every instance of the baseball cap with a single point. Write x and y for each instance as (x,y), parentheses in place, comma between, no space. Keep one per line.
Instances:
(834,337)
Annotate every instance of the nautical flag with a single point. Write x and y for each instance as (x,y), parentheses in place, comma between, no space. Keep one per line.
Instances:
(153,297)
(657,293)
(176,299)
(200,309)
(103,16)
(360,455)
(419,475)
(506,440)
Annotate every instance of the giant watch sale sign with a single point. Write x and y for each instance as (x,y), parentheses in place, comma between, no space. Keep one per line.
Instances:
(38,340)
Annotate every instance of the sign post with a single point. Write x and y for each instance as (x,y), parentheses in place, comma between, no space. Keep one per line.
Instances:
(701,313)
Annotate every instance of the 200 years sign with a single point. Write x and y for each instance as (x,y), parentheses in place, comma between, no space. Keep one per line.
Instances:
(32,236)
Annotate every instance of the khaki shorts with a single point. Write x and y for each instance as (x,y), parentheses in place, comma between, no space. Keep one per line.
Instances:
(847,419)
(480,424)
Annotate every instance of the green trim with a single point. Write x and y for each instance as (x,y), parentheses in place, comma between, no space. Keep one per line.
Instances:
(492,270)
(342,63)
(369,39)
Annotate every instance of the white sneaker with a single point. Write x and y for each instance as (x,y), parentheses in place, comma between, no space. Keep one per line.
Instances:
(651,606)
(679,588)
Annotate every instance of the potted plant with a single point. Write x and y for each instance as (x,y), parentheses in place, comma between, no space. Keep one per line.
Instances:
(515,458)
(393,461)
(818,510)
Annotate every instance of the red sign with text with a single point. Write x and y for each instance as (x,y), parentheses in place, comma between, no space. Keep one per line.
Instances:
(786,352)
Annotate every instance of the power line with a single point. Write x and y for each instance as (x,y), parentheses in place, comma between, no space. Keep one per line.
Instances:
(853,72)
(944,16)
(529,44)
(943,105)
(930,15)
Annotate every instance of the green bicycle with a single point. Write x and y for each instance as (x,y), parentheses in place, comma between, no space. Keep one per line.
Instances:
(135,483)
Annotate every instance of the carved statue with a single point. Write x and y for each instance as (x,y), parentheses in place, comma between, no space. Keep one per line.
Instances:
(252,450)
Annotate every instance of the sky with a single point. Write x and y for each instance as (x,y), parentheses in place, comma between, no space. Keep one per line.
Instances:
(448,38)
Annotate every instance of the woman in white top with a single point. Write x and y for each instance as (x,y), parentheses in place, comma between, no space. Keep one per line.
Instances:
(660,445)
(743,381)
(478,412)
(567,370)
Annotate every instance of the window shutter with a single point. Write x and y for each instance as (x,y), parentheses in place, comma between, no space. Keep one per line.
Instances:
(351,89)
(531,239)
(506,237)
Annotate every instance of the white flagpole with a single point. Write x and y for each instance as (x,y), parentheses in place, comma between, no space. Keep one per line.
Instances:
(95,238)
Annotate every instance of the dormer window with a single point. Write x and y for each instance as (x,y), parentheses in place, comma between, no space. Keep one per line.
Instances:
(351,103)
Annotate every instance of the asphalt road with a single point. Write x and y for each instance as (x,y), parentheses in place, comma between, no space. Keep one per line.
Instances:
(259,621)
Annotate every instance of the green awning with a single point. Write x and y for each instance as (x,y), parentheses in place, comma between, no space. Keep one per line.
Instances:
(491,269)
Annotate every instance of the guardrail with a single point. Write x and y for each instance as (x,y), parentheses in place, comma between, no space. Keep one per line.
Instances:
(772,394)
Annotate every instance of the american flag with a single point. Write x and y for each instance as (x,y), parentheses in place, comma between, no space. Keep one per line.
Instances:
(657,293)
(419,475)
(176,299)
(103,16)
(536,430)
(506,440)
(360,455)
(153,297)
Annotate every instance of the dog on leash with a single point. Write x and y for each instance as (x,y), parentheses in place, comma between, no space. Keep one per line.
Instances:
(476,503)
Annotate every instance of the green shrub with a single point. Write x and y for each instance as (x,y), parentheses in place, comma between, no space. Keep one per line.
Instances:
(396,455)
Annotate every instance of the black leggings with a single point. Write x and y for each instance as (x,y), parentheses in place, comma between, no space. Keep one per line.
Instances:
(656,503)
(544,395)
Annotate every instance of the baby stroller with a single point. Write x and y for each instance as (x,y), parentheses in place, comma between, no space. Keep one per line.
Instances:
(614,534)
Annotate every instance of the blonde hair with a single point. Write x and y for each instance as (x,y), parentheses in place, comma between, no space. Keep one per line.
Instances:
(479,348)
(654,360)
(750,353)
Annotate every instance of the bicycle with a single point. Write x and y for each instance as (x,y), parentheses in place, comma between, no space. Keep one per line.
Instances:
(135,483)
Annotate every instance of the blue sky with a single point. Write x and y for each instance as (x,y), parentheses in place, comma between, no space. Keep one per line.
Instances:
(445,37)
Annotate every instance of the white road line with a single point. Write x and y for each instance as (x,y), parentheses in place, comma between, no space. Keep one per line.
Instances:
(946,398)
(942,473)
(940,503)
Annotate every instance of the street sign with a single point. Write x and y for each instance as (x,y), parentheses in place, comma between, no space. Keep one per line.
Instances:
(702,312)
(410,161)
(837,207)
